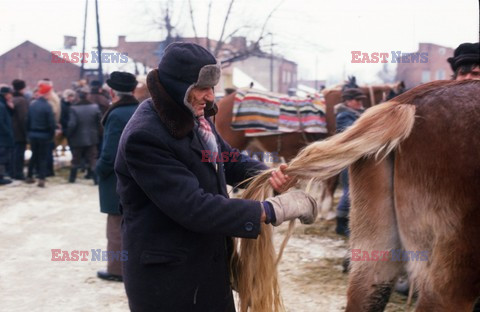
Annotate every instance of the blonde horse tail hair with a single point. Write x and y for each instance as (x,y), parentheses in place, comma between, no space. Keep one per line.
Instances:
(376,133)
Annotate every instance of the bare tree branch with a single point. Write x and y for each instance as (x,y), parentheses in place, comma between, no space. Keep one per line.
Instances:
(260,37)
(193,21)
(208,25)
(220,40)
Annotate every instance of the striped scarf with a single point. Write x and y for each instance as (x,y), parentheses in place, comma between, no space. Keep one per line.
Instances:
(207,135)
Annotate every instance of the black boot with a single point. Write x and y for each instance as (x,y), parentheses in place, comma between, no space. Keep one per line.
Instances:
(73,175)
(95,178)
(342,226)
(89,174)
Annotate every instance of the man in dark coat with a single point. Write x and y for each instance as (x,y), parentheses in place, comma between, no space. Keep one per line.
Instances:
(114,121)
(19,121)
(84,134)
(347,112)
(177,217)
(6,132)
(41,128)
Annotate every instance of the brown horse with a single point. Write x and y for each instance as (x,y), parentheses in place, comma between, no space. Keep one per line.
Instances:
(415,195)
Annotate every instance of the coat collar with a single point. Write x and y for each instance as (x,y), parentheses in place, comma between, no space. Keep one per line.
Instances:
(124,101)
(178,119)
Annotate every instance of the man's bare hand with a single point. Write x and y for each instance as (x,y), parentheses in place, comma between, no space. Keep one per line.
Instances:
(280,181)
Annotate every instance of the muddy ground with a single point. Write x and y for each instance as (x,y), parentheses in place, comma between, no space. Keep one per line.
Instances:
(33,221)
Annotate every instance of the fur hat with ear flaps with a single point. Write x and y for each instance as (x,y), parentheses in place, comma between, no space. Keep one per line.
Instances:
(183,67)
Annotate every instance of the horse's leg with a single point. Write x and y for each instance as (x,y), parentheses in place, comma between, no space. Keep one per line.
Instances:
(328,192)
(373,228)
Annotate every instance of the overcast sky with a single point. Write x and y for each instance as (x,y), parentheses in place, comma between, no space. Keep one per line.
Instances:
(317,34)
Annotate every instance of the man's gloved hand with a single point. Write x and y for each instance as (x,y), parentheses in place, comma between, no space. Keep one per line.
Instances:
(292,205)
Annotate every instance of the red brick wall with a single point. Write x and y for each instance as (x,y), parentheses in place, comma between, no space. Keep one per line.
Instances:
(31,63)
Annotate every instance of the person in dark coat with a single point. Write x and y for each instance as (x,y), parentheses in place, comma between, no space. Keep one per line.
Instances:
(84,134)
(6,133)
(99,96)
(41,128)
(347,112)
(177,217)
(19,121)
(68,97)
(114,121)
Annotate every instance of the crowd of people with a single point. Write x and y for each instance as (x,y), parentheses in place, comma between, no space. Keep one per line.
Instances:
(42,118)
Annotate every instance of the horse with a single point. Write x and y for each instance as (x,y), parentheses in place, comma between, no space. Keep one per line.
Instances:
(415,199)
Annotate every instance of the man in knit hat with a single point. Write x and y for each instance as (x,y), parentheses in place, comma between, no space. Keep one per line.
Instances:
(465,62)
(177,217)
(41,128)
(347,113)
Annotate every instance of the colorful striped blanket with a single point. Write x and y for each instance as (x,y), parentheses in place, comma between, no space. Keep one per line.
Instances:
(261,113)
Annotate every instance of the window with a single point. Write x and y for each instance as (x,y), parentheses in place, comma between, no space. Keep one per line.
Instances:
(440,75)
(425,76)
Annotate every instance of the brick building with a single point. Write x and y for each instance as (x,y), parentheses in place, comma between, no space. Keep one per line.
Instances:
(31,63)
(436,67)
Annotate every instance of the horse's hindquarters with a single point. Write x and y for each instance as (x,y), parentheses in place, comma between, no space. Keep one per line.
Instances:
(437,201)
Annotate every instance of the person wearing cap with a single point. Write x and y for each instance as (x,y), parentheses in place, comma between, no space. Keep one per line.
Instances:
(41,128)
(83,134)
(124,104)
(465,62)
(19,121)
(6,132)
(346,113)
(177,217)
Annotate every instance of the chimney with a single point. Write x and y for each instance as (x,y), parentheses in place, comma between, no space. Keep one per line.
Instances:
(121,40)
(69,42)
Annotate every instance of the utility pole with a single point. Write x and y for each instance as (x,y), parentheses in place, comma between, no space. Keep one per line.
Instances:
(82,69)
(100,70)
(271,62)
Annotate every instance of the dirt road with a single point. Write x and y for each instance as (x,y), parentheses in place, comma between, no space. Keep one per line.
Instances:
(33,221)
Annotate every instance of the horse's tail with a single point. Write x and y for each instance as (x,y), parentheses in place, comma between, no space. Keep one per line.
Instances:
(377,132)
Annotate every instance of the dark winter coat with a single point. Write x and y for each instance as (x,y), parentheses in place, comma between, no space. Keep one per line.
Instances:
(346,116)
(176,213)
(114,123)
(84,124)
(64,115)
(41,120)
(6,130)
(19,118)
